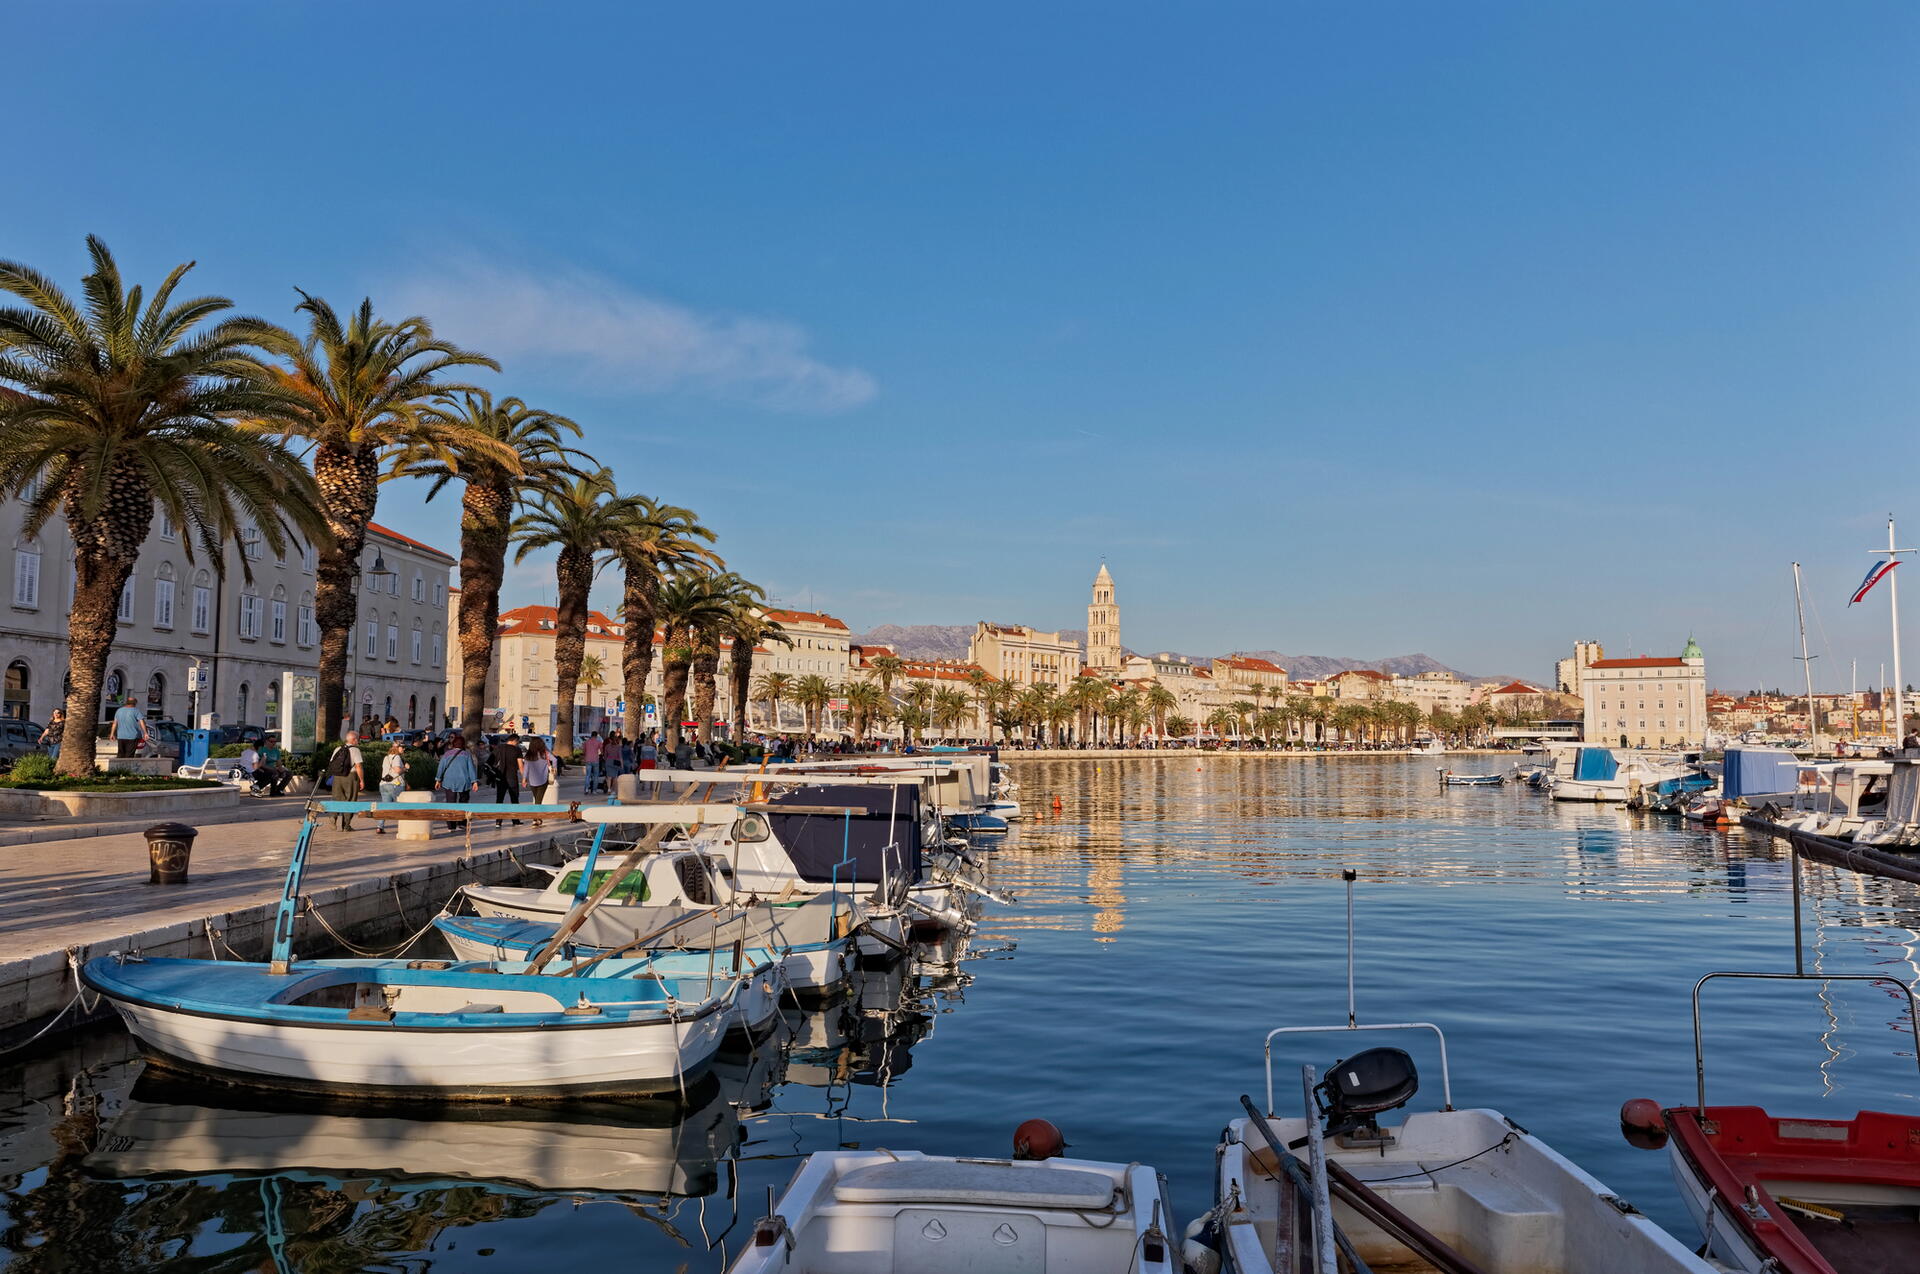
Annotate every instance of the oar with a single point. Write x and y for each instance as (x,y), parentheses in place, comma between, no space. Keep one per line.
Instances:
(637,942)
(1297,1173)
(1359,1196)
(582,909)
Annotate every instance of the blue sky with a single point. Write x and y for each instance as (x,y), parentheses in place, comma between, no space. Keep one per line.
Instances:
(1470,328)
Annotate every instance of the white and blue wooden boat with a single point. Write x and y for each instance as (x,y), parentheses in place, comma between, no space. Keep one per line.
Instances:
(421,1028)
(1449,779)
(436,1029)
(885,1210)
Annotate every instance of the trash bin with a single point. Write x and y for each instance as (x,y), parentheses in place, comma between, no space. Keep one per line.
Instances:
(169,846)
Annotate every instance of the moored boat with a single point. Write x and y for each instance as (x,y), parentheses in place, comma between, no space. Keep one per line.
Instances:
(880,1211)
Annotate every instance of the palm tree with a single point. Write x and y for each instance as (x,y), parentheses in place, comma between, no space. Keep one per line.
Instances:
(773,687)
(1241,710)
(748,627)
(1221,719)
(985,694)
(864,701)
(885,669)
(365,389)
(1348,718)
(1060,710)
(813,692)
(951,706)
(580,518)
(1038,704)
(593,676)
(913,719)
(737,598)
(654,541)
(1160,701)
(690,605)
(1088,695)
(109,413)
(1120,709)
(504,454)
(1179,727)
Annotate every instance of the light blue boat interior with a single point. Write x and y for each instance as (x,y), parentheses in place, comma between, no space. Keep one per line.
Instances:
(1595,765)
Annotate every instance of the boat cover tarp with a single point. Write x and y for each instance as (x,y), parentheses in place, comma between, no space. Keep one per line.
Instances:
(1595,765)
(1903,794)
(883,841)
(1759,772)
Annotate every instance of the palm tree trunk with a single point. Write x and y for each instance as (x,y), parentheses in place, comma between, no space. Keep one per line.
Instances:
(349,484)
(486,512)
(706,676)
(676,661)
(104,552)
(575,577)
(740,680)
(639,612)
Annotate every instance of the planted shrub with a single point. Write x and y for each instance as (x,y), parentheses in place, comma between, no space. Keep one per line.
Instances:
(34,767)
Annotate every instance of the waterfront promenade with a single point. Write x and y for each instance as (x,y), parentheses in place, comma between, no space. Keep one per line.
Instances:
(89,895)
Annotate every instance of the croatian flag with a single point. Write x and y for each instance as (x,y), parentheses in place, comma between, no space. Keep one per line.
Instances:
(1877,572)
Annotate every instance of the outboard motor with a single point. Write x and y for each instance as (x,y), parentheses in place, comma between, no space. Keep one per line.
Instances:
(1362,1087)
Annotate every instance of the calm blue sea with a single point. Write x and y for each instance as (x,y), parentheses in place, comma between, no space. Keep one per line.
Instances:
(1170,914)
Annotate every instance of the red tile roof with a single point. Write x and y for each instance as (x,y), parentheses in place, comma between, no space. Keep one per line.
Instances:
(1517,688)
(805,617)
(1249,663)
(1644,661)
(528,619)
(391,534)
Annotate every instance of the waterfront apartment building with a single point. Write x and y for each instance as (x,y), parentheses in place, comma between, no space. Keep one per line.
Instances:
(1359,683)
(1647,702)
(245,628)
(1245,675)
(1435,688)
(1568,673)
(1022,656)
(820,646)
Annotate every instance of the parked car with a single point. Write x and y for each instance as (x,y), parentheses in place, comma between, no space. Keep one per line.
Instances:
(225,734)
(18,738)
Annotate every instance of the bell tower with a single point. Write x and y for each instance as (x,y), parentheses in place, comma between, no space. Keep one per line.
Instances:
(1103,625)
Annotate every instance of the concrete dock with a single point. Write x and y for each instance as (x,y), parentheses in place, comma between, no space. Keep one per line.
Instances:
(65,901)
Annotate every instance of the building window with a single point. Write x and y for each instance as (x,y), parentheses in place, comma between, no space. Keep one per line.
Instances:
(439,643)
(126,601)
(249,615)
(167,530)
(416,646)
(419,587)
(14,696)
(304,633)
(373,638)
(250,542)
(439,593)
(163,603)
(307,558)
(393,642)
(270,709)
(26,578)
(280,621)
(246,693)
(157,696)
(433,713)
(202,608)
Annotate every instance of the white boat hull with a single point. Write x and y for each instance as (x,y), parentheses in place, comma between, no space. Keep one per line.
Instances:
(383,1059)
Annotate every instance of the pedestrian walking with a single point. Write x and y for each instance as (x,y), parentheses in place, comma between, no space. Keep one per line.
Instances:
(649,754)
(536,770)
(393,781)
(457,777)
(348,770)
(56,728)
(506,773)
(590,755)
(683,754)
(129,728)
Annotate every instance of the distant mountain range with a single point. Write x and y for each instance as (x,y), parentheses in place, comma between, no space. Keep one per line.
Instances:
(949,641)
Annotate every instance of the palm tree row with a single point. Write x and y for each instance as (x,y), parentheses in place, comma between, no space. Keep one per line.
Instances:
(118,405)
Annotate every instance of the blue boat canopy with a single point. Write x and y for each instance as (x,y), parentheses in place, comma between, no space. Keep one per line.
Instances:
(1595,765)
(1759,772)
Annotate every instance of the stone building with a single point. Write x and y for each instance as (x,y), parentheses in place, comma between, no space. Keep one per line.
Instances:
(1104,653)
(1022,656)
(1647,702)
(1246,675)
(244,628)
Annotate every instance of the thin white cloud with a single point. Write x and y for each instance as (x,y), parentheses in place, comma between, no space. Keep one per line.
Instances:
(594,327)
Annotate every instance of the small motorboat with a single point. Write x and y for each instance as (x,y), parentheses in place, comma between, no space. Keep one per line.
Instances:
(904,1211)
(1459,1190)
(1788,1195)
(1449,779)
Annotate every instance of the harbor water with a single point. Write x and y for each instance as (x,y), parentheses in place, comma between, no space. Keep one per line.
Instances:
(1165,918)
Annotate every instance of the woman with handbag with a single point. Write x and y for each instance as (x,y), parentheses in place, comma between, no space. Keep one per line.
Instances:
(457,778)
(536,769)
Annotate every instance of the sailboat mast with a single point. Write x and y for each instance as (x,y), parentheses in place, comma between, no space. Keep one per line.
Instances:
(1806,661)
(1893,602)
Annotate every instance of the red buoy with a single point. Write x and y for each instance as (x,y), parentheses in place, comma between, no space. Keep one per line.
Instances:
(1038,1139)
(1056,804)
(1643,1124)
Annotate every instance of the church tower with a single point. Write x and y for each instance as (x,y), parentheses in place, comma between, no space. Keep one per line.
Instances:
(1103,625)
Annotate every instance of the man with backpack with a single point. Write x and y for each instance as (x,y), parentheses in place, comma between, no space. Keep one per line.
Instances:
(347,770)
(505,760)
